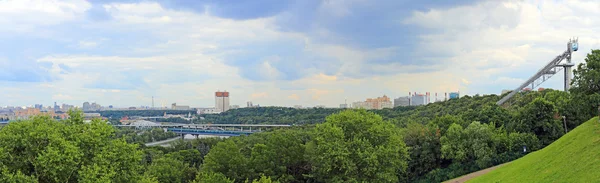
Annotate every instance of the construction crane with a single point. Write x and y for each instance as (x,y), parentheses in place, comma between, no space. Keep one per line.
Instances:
(548,71)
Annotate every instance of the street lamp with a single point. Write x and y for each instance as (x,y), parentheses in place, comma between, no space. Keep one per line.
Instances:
(565,122)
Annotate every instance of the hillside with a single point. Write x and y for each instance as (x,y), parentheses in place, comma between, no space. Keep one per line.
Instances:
(572,158)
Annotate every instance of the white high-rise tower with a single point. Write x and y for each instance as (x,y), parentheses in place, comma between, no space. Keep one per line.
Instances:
(222,101)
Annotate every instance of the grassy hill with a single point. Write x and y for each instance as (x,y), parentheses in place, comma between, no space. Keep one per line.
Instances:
(575,157)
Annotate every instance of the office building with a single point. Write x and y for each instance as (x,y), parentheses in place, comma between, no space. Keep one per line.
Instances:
(374,103)
(86,106)
(249,104)
(207,111)
(66,107)
(402,101)
(222,101)
(174,106)
(418,99)
(453,95)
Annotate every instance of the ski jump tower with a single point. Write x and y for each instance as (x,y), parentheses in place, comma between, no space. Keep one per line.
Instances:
(549,70)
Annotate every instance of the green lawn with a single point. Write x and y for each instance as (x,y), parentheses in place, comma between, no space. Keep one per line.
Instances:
(575,157)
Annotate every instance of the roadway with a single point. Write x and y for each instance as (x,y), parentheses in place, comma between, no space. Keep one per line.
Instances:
(167,141)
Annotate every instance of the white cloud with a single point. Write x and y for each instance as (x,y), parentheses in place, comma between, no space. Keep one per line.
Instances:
(87,44)
(495,39)
(294,97)
(186,56)
(25,15)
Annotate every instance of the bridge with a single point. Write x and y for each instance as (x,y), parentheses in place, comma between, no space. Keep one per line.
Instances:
(548,71)
(211,129)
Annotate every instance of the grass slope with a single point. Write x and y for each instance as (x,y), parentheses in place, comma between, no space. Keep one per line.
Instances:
(575,157)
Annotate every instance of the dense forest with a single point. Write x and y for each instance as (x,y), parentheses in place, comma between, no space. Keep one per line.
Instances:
(429,143)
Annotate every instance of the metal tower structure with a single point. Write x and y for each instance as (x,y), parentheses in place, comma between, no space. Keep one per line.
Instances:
(548,71)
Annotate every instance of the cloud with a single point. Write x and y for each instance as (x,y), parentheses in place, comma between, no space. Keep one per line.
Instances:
(87,44)
(21,16)
(466,82)
(62,97)
(493,39)
(259,95)
(275,53)
(294,97)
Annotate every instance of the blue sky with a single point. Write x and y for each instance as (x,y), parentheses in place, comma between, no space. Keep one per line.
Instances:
(272,52)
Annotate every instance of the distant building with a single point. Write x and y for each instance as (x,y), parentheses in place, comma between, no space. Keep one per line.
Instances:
(249,104)
(402,101)
(418,99)
(86,106)
(56,107)
(39,106)
(298,106)
(208,111)
(320,106)
(344,106)
(95,106)
(454,95)
(91,115)
(374,103)
(234,106)
(66,107)
(222,101)
(23,114)
(174,106)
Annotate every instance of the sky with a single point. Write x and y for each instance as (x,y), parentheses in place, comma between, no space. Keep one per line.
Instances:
(278,52)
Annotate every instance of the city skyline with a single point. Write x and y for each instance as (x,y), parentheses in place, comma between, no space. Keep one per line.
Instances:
(307,53)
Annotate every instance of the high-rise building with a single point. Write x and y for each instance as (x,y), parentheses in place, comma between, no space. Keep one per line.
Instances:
(374,103)
(419,99)
(343,106)
(249,104)
(86,106)
(56,107)
(66,107)
(402,101)
(39,106)
(454,95)
(222,101)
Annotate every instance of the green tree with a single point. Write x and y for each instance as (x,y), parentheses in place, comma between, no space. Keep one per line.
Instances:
(67,151)
(357,146)
(586,78)
(473,144)
(211,177)
(226,158)
(264,179)
(424,149)
(167,170)
(541,118)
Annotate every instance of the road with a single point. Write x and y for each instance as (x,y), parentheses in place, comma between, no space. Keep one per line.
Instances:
(162,142)
(470,176)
